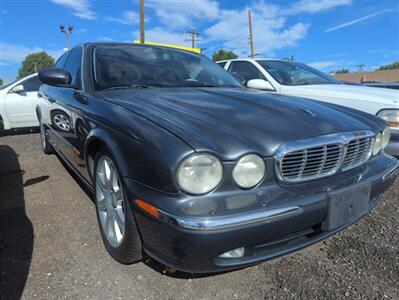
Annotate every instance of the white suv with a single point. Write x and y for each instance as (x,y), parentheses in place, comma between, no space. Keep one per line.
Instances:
(296,79)
(18,101)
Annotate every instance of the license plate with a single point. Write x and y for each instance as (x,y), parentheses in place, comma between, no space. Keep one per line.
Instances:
(346,206)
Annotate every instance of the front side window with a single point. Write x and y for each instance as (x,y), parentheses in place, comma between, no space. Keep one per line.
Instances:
(246,70)
(116,66)
(61,61)
(292,73)
(73,64)
(32,84)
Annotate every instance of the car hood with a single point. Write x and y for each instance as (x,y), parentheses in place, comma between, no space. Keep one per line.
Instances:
(385,97)
(231,122)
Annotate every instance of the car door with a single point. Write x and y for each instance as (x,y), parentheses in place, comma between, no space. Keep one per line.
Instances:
(61,109)
(21,106)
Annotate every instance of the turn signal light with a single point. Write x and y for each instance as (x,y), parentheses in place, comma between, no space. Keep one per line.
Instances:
(151,209)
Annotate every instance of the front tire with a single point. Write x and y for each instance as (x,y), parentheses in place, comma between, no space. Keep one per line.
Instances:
(114,214)
(46,146)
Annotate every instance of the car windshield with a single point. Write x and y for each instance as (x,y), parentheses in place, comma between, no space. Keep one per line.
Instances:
(125,66)
(8,84)
(293,73)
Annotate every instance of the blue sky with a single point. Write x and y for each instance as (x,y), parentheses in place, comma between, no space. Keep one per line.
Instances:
(328,34)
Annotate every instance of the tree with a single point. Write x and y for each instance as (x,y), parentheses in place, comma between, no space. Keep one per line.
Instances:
(223,55)
(1,81)
(394,65)
(342,71)
(35,62)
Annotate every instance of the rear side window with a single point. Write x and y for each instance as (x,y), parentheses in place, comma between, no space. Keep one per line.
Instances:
(246,70)
(32,84)
(73,65)
(222,64)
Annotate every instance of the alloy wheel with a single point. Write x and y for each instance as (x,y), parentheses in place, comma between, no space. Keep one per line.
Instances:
(110,201)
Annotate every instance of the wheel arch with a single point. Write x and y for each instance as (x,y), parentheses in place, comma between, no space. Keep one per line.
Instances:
(97,139)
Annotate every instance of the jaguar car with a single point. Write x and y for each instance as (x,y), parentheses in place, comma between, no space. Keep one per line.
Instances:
(191,168)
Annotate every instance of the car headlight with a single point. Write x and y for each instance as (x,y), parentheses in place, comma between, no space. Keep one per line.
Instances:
(249,171)
(377,144)
(199,173)
(386,135)
(391,116)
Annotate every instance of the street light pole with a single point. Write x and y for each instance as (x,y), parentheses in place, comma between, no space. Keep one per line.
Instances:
(67,34)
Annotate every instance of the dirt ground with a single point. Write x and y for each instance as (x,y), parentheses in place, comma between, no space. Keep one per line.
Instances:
(50,247)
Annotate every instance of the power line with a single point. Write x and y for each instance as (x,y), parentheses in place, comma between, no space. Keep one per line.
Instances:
(194,37)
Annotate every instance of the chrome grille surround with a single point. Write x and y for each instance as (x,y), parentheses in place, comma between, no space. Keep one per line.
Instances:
(323,156)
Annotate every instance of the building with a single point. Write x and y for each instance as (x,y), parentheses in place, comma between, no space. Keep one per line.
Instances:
(375,76)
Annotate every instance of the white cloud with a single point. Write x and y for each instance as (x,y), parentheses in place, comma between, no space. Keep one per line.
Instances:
(314,6)
(127,17)
(269,30)
(161,35)
(346,24)
(15,54)
(104,39)
(80,8)
(229,27)
(176,14)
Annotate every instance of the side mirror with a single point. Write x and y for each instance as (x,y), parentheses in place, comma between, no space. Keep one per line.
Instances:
(17,89)
(238,77)
(55,77)
(260,84)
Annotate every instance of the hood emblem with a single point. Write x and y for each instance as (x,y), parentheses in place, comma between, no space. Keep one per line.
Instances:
(359,133)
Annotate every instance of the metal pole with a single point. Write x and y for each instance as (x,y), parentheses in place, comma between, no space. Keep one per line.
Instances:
(67,40)
(251,37)
(142,39)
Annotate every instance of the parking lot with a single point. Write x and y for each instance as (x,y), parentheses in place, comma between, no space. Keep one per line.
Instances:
(50,247)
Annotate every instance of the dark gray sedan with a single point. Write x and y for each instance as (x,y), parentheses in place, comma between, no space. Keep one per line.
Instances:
(198,172)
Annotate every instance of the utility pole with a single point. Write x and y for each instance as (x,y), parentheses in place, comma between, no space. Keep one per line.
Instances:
(67,34)
(194,37)
(251,37)
(142,37)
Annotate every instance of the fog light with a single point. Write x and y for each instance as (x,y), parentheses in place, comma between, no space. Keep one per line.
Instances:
(236,253)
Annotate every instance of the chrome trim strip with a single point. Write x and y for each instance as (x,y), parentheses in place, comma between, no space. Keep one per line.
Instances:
(391,172)
(216,223)
(342,139)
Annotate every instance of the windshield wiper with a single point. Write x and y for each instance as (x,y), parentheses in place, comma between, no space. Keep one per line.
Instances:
(121,87)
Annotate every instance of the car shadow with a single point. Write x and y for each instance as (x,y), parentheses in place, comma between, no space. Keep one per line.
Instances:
(16,230)
(19,131)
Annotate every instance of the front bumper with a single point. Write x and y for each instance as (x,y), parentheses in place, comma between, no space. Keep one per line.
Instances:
(291,218)
(393,146)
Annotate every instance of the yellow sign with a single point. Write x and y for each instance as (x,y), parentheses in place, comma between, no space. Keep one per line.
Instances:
(196,50)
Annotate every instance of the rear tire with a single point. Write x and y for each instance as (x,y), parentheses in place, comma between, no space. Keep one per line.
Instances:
(46,146)
(114,212)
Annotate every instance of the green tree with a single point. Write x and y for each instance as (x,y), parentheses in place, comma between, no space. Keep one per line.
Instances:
(342,71)
(1,81)
(223,54)
(35,62)
(394,65)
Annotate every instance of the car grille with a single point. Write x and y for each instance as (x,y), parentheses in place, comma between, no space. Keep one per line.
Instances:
(305,162)
(357,152)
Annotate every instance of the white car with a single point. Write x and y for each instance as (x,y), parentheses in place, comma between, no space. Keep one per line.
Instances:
(296,79)
(18,101)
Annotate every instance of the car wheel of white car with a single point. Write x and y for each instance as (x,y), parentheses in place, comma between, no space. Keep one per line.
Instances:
(114,213)
(46,146)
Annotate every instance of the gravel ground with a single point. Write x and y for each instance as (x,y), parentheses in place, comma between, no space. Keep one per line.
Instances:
(50,247)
